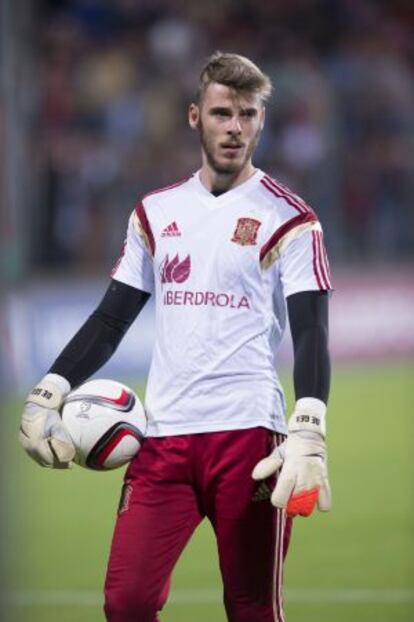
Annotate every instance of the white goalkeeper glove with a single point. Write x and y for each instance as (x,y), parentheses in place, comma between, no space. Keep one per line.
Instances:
(42,433)
(303,479)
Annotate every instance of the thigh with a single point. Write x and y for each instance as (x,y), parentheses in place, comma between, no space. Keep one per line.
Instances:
(251,553)
(157,514)
(252,536)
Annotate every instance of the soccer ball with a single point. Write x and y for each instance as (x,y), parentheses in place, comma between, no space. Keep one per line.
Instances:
(106,422)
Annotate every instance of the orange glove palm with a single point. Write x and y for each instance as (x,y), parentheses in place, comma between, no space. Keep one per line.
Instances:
(303,479)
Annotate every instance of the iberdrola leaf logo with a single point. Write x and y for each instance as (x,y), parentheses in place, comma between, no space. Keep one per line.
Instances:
(174,270)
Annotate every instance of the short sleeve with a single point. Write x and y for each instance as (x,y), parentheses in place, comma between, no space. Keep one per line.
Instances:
(304,264)
(135,265)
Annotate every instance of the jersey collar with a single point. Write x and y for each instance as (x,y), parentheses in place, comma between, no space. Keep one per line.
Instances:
(228,196)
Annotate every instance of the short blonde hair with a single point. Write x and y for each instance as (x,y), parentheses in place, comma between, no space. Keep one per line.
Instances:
(236,72)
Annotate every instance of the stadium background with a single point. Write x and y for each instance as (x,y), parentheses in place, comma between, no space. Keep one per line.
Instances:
(92,115)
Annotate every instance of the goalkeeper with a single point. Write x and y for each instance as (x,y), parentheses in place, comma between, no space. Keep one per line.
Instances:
(229,254)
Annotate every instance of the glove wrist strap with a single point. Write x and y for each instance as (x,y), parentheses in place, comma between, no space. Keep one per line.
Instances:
(309,416)
(50,392)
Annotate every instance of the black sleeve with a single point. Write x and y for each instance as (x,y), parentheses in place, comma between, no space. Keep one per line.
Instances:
(101,334)
(308,318)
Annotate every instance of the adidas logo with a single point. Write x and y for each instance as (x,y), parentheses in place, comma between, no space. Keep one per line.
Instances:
(263,492)
(171,231)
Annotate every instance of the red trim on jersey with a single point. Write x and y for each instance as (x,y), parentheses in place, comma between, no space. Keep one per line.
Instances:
(285,228)
(315,261)
(281,195)
(282,192)
(118,261)
(170,187)
(326,261)
(322,261)
(140,211)
(318,268)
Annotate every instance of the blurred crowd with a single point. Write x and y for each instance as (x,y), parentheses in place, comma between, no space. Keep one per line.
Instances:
(115,78)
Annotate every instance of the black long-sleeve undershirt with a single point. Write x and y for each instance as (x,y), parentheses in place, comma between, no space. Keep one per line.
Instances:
(308,318)
(99,337)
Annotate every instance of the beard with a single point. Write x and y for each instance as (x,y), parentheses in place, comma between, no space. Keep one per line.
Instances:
(231,167)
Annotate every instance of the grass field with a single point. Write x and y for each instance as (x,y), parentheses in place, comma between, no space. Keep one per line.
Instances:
(355,563)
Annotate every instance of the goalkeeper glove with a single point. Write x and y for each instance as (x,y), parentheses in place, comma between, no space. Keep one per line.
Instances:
(42,433)
(303,479)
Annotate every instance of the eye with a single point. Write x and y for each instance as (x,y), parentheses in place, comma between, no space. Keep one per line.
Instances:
(222,113)
(249,113)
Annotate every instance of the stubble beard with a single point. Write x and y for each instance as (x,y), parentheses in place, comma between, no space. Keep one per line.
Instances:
(231,168)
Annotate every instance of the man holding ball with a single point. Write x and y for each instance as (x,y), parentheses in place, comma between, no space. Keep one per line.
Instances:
(229,254)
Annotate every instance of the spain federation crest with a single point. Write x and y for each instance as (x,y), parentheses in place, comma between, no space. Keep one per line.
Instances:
(245,232)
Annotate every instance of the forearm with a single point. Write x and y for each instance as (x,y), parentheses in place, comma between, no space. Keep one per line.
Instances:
(99,337)
(308,314)
(88,350)
(312,369)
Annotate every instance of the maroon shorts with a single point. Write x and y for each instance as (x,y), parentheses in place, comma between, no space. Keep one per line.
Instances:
(172,484)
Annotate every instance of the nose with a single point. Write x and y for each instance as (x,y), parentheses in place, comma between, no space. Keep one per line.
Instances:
(234,126)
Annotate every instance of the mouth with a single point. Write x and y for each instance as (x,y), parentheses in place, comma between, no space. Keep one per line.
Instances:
(231,145)
(231,148)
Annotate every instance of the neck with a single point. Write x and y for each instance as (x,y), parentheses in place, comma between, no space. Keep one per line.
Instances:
(221,182)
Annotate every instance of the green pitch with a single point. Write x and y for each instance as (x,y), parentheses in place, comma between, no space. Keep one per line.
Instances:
(355,563)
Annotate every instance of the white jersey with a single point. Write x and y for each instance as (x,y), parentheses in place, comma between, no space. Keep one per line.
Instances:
(220,269)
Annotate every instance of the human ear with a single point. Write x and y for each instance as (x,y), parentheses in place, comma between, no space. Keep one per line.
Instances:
(262,118)
(193,116)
